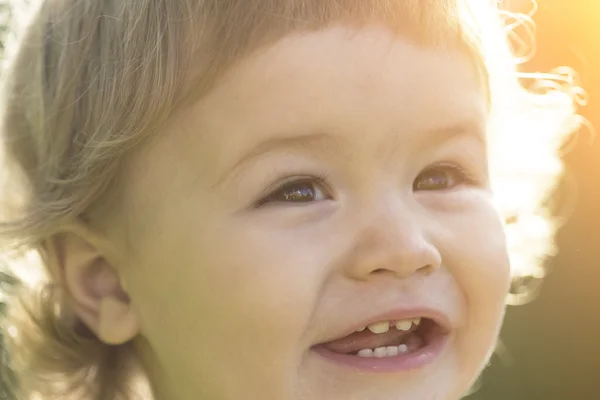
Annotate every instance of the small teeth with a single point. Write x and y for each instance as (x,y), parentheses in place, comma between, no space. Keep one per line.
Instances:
(404,325)
(379,327)
(365,353)
(384,326)
(391,351)
(380,352)
(383,352)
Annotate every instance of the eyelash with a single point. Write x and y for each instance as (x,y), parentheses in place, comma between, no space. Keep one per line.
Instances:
(464,177)
(316,181)
(319,183)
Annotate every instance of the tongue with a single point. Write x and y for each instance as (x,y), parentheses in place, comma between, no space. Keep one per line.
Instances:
(365,340)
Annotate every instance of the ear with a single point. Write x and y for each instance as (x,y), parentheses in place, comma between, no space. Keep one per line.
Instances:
(81,263)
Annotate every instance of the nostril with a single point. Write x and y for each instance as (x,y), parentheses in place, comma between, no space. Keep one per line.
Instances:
(380,271)
(426,269)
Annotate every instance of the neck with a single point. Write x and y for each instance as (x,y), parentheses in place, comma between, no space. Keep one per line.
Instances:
(150,379)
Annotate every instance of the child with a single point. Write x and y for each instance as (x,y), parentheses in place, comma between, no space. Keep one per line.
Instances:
(274,200)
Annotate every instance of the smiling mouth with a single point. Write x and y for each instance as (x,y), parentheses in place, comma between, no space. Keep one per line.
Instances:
(389,345)
(387,338)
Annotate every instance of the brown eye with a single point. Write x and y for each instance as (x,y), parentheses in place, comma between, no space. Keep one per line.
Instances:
(297,192)
(441,178)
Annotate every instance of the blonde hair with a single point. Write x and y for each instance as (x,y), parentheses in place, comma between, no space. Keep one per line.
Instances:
(91,81)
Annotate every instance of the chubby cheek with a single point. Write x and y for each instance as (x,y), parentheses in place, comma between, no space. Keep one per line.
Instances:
(265,279)
(483,274)
(236,294)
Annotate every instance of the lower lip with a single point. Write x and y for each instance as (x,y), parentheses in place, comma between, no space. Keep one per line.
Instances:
(411,361)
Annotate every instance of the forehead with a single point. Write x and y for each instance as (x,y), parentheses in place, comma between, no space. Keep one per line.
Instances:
(310,76)
(372,54)
(338,81)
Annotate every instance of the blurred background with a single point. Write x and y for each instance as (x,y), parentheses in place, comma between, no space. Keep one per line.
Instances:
(550,348)
(552,345)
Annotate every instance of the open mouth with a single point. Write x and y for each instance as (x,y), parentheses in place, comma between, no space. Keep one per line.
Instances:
(393,344)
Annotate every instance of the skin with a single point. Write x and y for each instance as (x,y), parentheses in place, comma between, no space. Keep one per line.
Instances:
(230,288)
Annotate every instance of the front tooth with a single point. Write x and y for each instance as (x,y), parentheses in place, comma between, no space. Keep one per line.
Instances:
(391,351)
(404,325)
(416,321)
(361,329)
(379,327)
(367,353)
(379,352)
(402,349)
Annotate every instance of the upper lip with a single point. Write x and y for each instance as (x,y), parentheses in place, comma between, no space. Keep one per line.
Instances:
(398,314)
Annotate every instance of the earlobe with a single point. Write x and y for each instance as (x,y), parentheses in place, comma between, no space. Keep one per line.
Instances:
(117,322)
(94,287)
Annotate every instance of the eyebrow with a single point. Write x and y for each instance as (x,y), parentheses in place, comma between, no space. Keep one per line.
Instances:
(324,142)
(470,127)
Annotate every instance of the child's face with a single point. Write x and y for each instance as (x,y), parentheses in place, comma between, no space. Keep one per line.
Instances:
(335,180)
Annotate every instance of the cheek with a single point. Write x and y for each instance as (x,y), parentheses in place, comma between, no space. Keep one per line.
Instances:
(477,251)
(481,269)
(234,278)
(488,278)
(216,295)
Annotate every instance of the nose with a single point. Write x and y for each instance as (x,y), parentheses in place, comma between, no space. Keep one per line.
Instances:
(393,241)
